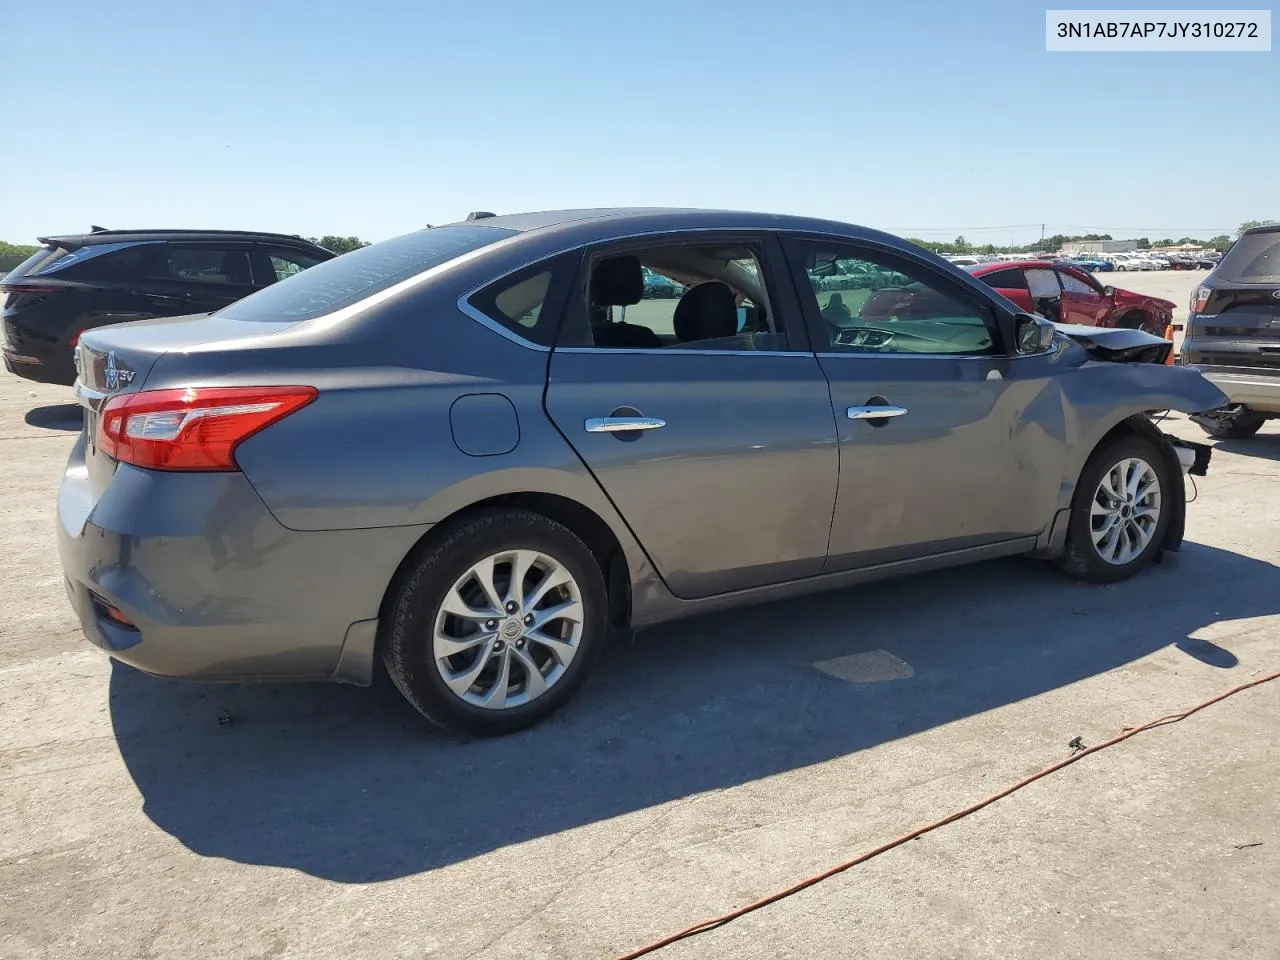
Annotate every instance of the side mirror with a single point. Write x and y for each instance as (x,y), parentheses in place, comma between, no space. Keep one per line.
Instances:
(1032,334)
(1108,291)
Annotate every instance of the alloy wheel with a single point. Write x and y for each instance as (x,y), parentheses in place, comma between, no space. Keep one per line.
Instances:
(1125,511)
(508,629)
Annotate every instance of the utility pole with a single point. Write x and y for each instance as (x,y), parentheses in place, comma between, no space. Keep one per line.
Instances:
(1042,235)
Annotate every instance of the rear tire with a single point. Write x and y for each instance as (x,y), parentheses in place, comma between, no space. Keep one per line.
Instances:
(496,624)
(1120,512)
(1239,426)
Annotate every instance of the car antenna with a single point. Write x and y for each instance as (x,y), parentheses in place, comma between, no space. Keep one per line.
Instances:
(480,214)
(94,228)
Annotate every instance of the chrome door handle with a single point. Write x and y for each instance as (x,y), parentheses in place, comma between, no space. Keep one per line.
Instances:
(875,412)
(623,424)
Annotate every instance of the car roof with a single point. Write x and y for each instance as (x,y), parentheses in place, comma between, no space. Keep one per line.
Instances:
(620,219)
(119,236)
(1265,228)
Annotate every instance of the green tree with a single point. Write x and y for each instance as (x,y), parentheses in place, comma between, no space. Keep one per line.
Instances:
(1144,243)
(12,254)
(339,244)
(960,245)
(1220,242)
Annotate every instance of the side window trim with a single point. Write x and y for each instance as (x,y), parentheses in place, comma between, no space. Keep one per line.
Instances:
(574,333)
(796,245)
(562,267)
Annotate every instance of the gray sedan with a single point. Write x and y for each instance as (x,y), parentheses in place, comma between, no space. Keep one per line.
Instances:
(475,451)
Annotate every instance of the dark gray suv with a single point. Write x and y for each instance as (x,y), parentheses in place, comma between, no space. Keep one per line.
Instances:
(474,450)
(1233,334)
(77,282)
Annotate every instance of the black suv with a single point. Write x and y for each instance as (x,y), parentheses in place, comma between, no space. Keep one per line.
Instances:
(1233,334)
(75,283)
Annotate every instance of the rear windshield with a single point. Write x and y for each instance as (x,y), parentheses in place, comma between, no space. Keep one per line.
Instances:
(1254,258)
(352,277)
(39,260)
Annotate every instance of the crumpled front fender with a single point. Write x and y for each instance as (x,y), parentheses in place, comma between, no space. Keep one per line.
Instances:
(1128,388)
(1098,397)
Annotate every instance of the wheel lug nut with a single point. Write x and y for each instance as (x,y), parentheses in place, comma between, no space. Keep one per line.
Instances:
(497,644)
(490,624)
(528,621)
(520,644)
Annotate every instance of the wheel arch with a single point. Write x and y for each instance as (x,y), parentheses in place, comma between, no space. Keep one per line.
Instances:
(587,524)
(1135,425)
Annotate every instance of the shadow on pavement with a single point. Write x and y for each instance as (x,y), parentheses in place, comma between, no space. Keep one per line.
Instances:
(55,416)
(352,786)
(1262,445)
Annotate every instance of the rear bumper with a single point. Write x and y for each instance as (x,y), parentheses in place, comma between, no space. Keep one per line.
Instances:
(213,586)
(40,365)
(1257,388)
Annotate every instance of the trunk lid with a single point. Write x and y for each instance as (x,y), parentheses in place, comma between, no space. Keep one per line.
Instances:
(1250,310)
(119,359)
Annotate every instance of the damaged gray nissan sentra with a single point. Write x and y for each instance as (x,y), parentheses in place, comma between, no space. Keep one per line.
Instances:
(474,450)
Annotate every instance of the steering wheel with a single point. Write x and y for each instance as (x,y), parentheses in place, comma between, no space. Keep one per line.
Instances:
(872,338)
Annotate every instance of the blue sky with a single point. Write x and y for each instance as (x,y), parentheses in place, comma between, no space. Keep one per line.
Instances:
(374,118)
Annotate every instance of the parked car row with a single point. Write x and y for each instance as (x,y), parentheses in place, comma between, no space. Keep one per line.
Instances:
(1162,261)
(1103,262)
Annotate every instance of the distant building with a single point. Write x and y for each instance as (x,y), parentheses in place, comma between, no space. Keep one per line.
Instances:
(1181,248)
(1100,246)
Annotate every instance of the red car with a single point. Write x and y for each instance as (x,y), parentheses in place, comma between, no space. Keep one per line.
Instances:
(1067,294)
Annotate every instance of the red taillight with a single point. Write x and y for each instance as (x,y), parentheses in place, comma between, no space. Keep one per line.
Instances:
(19,286)
(1199,299)
(194,429)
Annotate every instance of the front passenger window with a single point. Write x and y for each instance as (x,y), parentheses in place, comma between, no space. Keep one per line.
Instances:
(871,305)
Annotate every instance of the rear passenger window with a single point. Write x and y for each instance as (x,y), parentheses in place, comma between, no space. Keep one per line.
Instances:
(287,263)
(528,304)
(1073,284)
(1043,283)
(684,297)
(214,265)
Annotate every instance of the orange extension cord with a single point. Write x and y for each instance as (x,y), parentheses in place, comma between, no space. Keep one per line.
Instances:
(715,922)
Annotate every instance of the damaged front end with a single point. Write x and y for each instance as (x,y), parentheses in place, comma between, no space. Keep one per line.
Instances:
(1120,381)
(1122,345)
(1119,344)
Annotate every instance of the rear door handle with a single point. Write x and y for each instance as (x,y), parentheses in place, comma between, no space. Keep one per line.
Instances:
(623,424)
(876,412)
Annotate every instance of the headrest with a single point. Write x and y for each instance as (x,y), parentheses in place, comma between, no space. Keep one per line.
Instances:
(617,282)
(707,312)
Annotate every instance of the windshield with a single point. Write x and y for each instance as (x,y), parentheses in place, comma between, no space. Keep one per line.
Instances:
(1255,258)
(352,277)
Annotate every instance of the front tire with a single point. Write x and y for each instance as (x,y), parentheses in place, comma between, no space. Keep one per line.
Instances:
(1237,426)
(496,625)
(1120,512)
